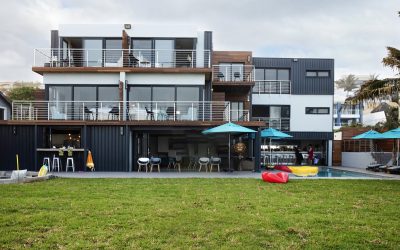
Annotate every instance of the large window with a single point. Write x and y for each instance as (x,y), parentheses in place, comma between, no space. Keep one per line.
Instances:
(275,116)
(113,53)
(317,73)
(237,112)
(317,110)
(164,53)
(93,52)
(272,81)
(142,50)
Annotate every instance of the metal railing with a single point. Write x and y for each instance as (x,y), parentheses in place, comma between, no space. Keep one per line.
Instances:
(347,111)
(241,115)
(272,87)
(233,73)
(109,110)
(282,124)
(142,58)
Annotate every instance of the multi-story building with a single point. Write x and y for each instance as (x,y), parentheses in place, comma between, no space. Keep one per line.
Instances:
(125,92)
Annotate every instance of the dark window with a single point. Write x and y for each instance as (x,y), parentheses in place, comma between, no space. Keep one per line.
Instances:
(2,114)
(140,93)
(317,73)
(317,111)
(188,94)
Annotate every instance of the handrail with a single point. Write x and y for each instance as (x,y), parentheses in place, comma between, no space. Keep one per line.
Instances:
(272,87)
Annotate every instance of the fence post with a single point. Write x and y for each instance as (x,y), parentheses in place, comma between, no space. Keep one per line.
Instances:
(83,110)
(192,112)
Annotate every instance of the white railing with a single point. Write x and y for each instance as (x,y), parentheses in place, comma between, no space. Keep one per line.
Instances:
(108,110)
(241,115)
(282,124)
(143,58)
(233,73)
(272,87)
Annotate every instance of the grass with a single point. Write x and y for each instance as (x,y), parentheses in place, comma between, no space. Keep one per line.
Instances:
(200,213)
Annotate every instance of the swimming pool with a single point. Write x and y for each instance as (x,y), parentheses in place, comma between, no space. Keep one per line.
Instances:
(331,172)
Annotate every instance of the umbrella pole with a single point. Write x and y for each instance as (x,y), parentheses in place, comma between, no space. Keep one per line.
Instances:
(397,159)
(270,153)
(229,152)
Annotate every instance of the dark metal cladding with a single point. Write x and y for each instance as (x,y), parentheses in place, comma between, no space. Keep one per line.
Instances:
(108,146)
(17,140)
(301,84)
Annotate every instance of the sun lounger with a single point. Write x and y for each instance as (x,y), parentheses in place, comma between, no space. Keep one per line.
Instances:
(374,166)
(393,170)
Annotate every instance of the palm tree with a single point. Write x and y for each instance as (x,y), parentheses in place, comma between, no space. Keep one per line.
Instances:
(347,83)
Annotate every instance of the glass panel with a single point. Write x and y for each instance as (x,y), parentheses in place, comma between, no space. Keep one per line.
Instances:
(164,56)
(260,111)
(142,51)
(64,50)
(285,111)
(165,97)
(113,52)
(109,96)
(270,74)
(85,102)
(323,73)
(93,53)
(311,73)
(187,104)
(259,74)
(140,94)
(275,112)
(187,94)
(60,98)
(283,74)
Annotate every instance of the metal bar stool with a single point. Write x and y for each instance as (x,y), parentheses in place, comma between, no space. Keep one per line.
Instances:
(70,164)
(46,162)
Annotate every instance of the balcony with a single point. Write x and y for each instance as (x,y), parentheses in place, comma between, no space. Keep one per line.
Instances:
(272,87)
(115,111)
(128,58)
(282,124)
(231,74)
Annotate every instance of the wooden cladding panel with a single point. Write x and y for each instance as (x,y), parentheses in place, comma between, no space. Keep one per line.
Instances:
(232,56)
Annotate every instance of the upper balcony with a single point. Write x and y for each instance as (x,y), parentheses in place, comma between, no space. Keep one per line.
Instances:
(272,87)
(152,111)
(233,74)
(53,60)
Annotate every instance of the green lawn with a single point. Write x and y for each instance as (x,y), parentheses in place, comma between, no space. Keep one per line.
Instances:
(200,213)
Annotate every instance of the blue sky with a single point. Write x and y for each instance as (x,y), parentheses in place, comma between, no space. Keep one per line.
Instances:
(354,32)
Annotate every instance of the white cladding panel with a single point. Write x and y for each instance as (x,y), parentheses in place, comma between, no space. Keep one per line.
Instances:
(299,120)
(166,79)
(81,78)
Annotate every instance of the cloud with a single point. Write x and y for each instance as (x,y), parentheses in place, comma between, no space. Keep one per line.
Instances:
(354,33)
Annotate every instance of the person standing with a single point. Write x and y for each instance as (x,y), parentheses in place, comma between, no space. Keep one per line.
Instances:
(310,154)
(299,156)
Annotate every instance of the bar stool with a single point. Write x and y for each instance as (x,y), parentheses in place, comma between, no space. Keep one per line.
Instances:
(46,161)
(56,164)
(70,164)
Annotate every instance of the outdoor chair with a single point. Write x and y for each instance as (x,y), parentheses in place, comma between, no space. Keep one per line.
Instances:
(114,112)
(215,161)
(191,114)
(149,113)
(171,162)
(220,76)
(143,162)
(154,161)
(236,75)
(87,113)
(203,162)
(170,113)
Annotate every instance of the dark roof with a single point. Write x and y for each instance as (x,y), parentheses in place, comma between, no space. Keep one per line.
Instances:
(5,98)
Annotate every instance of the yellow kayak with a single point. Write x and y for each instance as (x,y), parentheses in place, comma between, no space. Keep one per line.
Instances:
(304,171)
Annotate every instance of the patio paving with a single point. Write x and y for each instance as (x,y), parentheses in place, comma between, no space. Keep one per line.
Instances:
(235,174)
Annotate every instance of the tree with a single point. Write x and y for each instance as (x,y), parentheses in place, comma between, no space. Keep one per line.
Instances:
(386,89)
(347,83)
(26,93)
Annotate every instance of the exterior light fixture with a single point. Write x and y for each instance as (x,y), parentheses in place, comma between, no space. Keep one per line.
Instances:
(127,26)
(121,130)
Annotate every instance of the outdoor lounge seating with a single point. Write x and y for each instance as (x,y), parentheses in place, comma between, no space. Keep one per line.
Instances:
(203,162)
(114,112)
(155,161)
(149,113)
(57,115)
(191,114)
(215,161)
(143,162)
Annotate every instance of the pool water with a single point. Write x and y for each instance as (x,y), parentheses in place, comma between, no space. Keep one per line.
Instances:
(330,172)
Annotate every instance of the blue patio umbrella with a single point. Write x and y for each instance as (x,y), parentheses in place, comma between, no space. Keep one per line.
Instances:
(371,134)
(228,128)
(272,133)
(393,134)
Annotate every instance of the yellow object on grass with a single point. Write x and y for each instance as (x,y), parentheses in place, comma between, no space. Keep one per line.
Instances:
(43,171)
(304,170)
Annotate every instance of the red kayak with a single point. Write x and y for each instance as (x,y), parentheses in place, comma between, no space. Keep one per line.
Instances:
(283,168)
(280,177)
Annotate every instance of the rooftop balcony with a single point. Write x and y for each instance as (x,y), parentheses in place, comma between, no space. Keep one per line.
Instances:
(231,74)
(132,111)
(127,58)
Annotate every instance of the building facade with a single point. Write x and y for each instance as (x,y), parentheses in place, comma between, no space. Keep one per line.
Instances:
(125,92)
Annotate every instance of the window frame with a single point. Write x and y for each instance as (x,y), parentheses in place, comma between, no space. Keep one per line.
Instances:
(317,73)
(308,110)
